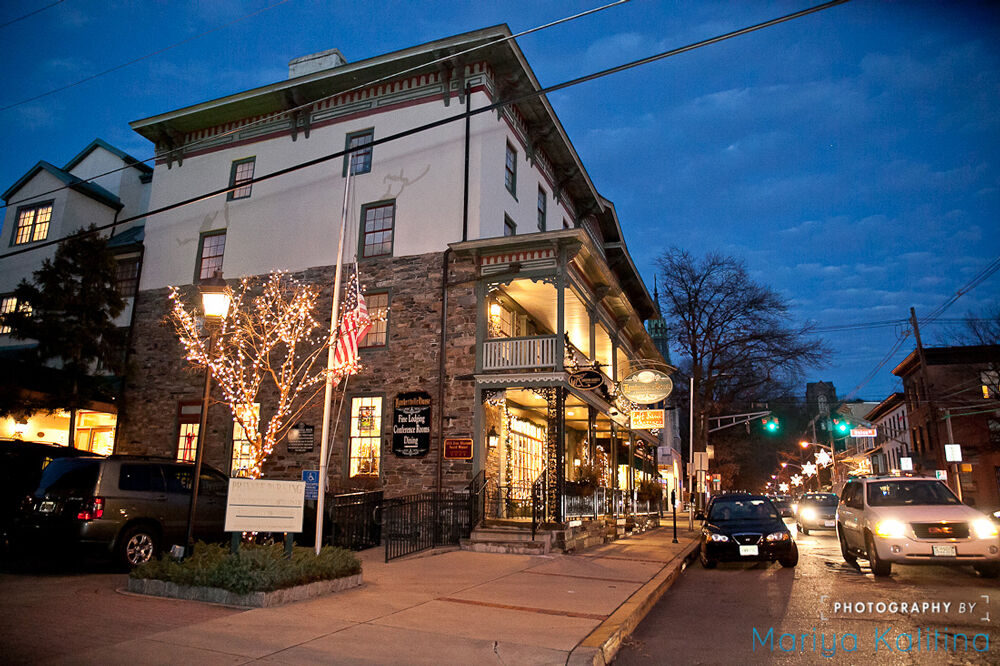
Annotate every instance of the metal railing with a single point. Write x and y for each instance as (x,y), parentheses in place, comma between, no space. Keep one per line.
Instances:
(520,353)
(418,522)
(538,505)
(354,520)
(509,501)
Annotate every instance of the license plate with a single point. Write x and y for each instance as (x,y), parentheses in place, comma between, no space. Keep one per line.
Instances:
(944,551)
(47,507)
(829,523)
(748,550)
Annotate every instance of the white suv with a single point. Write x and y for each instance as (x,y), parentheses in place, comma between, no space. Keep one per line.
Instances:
(913,520)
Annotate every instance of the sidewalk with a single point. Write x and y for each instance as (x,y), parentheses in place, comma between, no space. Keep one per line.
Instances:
(450,607)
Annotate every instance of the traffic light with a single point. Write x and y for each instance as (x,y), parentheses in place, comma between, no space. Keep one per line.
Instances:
(841,426)
(771,424)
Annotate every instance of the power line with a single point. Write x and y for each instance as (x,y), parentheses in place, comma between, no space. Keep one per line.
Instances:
(306,105)
(29,14)
(445,121)
(141,58)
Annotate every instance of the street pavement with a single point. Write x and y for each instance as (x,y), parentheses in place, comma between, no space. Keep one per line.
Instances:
(443,607)
(823,611)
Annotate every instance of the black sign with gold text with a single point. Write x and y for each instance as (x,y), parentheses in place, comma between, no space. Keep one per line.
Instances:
(411,424)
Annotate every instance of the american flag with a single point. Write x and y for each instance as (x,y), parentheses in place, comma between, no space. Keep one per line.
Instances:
(354,324)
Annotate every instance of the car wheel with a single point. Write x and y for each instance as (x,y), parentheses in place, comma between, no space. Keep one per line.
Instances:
(792,559)
(803,529)
(987,570)
(879,566)
(845,551)
(707,563)
(138,544)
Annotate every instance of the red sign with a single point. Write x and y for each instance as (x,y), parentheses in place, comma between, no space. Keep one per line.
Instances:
(457,449)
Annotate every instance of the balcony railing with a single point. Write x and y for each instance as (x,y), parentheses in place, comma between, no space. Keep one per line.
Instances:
(520,353)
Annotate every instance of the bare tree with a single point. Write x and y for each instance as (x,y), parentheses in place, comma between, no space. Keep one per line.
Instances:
(977,329)
(736,334)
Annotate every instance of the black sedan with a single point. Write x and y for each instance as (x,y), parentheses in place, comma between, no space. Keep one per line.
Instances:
(741,528)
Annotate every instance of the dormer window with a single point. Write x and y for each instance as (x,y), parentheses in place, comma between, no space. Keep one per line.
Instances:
(32,224)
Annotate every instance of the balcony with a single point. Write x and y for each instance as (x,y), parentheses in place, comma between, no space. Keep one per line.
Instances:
(519,353)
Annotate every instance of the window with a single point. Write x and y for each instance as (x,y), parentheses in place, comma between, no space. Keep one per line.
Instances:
(376,229)
(141,477)
(378,310)
(509,226)
(990,380)
(127,277)
(189,418)
(359,143)
(241,172)
(243,455)
(210,250)
(7,304)
(526,458)
(542,204)
(32,224)
(366,436)
(510,170)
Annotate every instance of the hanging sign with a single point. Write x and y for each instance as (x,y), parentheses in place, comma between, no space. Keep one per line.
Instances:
(646,386)
(301,438)
(863,432)
(411,424)
(586,380)
(457,448)
(953,453)
(647,418)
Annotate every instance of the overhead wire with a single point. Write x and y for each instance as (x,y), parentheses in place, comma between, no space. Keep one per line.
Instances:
(445,121)
(359,86)
(32,13)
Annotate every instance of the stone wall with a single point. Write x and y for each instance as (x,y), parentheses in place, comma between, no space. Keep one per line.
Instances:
(160,378)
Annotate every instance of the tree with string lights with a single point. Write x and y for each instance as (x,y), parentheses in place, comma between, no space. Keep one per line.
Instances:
(270,342)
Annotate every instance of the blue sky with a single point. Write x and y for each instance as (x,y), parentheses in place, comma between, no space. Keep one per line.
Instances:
(851,157)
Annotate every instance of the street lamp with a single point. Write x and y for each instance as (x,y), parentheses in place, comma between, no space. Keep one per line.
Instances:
(215,297)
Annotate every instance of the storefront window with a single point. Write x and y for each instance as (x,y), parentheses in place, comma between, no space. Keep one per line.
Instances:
(526,451)
(366,436)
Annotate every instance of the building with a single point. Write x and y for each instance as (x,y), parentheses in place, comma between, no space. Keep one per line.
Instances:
(951,397)
(892,440)
(99,186)
(498,267)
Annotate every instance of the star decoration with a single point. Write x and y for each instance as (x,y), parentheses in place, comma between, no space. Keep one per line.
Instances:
(809,469)
(797,480)
(823,458)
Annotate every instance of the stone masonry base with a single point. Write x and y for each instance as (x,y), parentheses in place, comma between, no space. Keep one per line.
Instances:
(160,588)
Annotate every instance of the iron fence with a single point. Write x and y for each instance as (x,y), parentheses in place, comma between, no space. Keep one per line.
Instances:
(354,520)
(418,522)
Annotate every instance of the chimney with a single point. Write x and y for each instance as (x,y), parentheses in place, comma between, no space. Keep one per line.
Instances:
(316,62)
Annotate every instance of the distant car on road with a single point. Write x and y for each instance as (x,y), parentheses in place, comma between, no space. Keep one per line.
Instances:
(21,466)
(130,507)
(784,507)
(816,511)
(913,520)
(741,528)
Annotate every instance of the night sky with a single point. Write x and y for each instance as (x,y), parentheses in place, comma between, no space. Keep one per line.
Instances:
(850,157)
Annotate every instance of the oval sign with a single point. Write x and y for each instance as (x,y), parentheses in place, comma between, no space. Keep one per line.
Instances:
(646,386)
(586,380)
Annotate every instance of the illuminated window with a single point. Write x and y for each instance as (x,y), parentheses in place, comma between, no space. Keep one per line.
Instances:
(359,143)
(10,304)
(188,417)
(32,224)
(542,206)
(378,309)
(377,224)
(526,446)
(243,456)
(211,248)
(366,436)
(241,172)
(510,170)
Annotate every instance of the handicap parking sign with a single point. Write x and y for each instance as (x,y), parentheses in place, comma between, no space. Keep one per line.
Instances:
(311,477)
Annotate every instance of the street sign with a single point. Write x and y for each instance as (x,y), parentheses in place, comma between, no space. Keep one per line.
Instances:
(311,477)
(906,464)
(586,380)
(701,461)
(941,474)
(863,432)
(953,453)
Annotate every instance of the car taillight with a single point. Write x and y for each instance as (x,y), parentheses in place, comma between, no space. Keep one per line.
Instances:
(91,509)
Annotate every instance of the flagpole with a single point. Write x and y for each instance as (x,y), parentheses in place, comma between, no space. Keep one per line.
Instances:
(324,446)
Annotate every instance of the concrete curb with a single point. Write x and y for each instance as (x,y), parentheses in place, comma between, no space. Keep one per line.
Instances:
(600,647)
(217,595)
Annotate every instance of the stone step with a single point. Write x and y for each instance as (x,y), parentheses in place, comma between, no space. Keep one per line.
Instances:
(506,534)
(508,548)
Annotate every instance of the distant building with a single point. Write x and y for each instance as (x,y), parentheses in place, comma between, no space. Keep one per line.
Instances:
(100,185)
(952,396)
(893,439)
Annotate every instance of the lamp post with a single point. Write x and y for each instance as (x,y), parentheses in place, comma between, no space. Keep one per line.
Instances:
(215,299)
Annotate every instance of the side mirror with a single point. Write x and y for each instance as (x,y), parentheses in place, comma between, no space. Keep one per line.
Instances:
(699,515)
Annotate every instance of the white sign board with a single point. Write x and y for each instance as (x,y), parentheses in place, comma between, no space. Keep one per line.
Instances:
(941,474)
(264,505)
(953,452)
(906,464)
(701,461)
(863,432)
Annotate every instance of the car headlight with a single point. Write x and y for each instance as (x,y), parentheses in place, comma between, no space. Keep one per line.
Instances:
(779,536)
(717,537)
(795,507)
(890,529)
(984,528)
(808,513)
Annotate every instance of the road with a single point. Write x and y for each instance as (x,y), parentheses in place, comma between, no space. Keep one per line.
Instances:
(821,612)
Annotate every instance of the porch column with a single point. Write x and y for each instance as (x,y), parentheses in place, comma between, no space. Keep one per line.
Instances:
(561,311)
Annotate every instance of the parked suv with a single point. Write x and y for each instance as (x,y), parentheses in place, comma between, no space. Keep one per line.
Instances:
(130,507)
(913,520)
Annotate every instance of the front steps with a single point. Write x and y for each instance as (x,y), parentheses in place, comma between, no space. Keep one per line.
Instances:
(499,536)
(508,539)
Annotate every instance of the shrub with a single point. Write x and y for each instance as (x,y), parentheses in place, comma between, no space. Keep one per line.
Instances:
(649,491)
(256,568)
